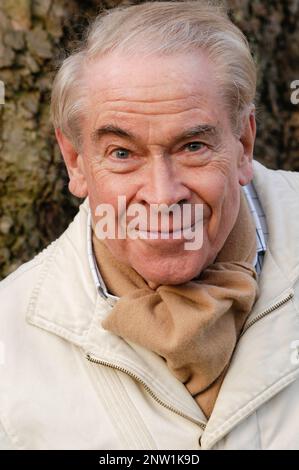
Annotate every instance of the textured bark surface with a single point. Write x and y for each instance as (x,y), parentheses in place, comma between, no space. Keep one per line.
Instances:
(35,205)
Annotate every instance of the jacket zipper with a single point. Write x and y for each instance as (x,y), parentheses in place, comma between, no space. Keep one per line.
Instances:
(147,388)
(267,311)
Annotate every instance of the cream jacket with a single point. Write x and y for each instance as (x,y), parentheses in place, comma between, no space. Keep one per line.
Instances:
(66,383)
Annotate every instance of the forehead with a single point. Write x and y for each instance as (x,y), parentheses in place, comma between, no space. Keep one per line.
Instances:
(181,86)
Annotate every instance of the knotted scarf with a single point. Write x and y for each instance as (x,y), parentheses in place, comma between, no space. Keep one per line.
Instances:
(193,326)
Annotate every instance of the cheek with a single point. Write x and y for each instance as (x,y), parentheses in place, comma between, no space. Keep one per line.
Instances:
(217,181)
(101,185)
(211,188)
(107,188)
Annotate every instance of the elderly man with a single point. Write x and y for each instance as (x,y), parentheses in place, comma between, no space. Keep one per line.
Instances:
(184,337)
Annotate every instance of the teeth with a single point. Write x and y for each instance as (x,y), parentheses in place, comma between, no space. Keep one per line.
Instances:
(154,235)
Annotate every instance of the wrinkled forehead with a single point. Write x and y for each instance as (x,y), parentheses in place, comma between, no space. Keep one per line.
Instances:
(177,87)
(150,79)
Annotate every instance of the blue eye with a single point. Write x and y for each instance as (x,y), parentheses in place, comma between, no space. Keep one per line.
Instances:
(194,146)
(121,154)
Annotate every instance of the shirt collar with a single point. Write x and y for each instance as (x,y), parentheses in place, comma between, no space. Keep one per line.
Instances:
(99,282)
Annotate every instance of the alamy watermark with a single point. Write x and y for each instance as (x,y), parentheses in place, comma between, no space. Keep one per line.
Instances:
(295,94)
(154,222)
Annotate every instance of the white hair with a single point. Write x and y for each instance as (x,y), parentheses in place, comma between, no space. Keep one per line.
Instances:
(159,28)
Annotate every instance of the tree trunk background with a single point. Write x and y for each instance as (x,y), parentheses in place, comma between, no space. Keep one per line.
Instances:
(35,205)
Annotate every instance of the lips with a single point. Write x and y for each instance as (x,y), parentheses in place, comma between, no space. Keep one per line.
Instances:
(143,227)
(177,232)
(162,224)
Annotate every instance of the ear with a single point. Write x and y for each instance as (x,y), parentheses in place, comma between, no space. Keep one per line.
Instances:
(74,164)
(247,139)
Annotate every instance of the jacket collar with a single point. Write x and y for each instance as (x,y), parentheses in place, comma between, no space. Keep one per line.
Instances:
(66,302)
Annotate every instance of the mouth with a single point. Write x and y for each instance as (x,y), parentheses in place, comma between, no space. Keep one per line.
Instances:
(179,233)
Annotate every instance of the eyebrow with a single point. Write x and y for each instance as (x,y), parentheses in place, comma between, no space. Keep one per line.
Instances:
(201,130)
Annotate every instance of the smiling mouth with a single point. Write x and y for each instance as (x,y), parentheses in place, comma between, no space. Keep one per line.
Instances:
(170,234)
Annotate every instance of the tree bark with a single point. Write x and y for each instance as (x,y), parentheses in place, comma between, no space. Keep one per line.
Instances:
(35,204)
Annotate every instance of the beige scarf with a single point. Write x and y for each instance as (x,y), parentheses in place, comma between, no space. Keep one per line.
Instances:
(194,326)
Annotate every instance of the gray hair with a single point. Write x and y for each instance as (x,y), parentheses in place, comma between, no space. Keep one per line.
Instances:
(162,28)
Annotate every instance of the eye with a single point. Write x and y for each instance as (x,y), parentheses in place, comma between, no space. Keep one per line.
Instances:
(194,146)
(121,154)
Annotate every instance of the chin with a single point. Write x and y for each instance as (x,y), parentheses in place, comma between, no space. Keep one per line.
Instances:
(171,273)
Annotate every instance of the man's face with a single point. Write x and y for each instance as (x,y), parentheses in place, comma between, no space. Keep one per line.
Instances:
(157,132)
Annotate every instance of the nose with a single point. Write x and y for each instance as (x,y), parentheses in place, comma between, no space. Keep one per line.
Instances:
(163,184)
